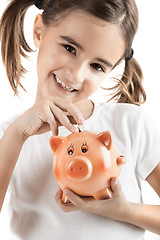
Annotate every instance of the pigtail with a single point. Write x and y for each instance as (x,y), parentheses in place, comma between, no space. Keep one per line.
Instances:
(129,88)
(13,43)
(131,84)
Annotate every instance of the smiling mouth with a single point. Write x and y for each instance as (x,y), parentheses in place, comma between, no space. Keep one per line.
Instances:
(62,85)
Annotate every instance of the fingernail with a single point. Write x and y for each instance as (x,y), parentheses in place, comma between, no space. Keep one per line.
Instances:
(116,181)
(74,129)
(81,120)
(64,190)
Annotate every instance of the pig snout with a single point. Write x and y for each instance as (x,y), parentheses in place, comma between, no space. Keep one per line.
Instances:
(79,168)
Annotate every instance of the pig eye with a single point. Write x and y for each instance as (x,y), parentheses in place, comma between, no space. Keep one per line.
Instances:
(70,150)
(84,148)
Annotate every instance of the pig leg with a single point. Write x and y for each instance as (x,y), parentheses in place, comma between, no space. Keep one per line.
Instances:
(103,194)
(64,198)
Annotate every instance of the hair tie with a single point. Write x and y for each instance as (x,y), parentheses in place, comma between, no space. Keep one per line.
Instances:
(39,3)
(50,4)
(130,56)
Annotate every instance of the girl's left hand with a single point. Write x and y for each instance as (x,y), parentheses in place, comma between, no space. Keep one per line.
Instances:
(114,208)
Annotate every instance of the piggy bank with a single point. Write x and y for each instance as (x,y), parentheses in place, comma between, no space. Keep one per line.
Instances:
(85,162)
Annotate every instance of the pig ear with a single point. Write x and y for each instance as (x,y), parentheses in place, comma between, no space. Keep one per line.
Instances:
(105,137)
(55,142)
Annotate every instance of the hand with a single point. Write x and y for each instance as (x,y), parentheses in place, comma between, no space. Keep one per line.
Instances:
(114,208)
(47,115)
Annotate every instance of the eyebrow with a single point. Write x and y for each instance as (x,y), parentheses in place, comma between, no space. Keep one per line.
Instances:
(72,41)
(105,62)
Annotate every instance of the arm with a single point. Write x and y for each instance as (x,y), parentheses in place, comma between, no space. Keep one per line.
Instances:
(117,208)
(148,216)
(10,147)
(44,116)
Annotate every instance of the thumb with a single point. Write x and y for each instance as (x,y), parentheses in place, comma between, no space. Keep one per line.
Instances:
(116,187)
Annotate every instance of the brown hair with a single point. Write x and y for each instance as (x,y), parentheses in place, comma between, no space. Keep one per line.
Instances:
(124,13)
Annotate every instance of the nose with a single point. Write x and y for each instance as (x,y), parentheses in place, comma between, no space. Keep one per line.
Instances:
(76,72)
(79,169)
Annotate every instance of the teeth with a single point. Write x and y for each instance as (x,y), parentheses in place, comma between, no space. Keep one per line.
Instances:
(63,85)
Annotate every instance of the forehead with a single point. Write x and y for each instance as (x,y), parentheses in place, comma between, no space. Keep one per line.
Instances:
(94,34)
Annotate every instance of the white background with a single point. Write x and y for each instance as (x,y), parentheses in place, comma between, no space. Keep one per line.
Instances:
(147,51)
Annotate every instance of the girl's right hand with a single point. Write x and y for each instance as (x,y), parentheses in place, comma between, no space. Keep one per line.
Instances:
(47,115)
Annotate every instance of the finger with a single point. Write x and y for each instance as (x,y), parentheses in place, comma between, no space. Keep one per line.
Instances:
(58,196)
(116,187)
(65,207)
(68,207)
(50,118)
(76,113)
(54,126)
(74,198)
(63,119)
(44,128)
(73,110)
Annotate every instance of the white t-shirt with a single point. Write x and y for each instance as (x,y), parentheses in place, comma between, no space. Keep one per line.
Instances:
(34,212)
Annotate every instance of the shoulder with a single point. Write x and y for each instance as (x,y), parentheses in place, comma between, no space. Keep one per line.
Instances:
(126,118)
(121,111)
(122,108)
(5,123)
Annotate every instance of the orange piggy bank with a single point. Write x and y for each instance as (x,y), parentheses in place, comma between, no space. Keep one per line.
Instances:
(85,162)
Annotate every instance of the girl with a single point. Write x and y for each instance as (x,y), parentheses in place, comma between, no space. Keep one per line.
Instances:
(79,43)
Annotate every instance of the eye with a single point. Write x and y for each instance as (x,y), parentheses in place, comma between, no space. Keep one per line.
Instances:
(70,150)
(69,48)
(98,67)
(84,148)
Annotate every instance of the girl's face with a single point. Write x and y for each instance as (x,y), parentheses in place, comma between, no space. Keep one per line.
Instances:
(75,55)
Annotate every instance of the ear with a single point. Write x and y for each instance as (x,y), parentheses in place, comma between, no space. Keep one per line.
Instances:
(105,137)
(121,160)
(55,142)
(38,30)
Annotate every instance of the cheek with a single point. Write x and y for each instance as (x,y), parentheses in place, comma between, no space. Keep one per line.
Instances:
(43,63)
(56,173)
(45,59)
(94,83)
(101,165)
(105,161)
(51,58)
